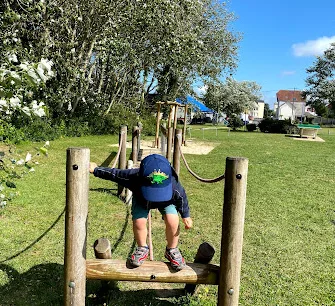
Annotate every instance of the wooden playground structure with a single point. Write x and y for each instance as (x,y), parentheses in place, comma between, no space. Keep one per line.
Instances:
(77,268)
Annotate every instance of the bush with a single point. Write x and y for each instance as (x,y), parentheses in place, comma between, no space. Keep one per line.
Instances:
(251,127)
(110,124)
(9,134)
(235,122)
(149,125)
(40,129)
(269,125)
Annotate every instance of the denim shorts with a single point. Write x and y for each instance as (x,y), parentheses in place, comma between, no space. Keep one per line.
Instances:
(138,211)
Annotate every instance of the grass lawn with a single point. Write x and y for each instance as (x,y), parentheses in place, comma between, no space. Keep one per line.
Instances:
(288,251)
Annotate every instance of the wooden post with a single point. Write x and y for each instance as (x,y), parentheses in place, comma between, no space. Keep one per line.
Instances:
(77,184)
(157,122)
(170,116)
(175,117)
(123,156)
(169,143)
(134,144)
(176,150)
(235,189)
(102,250)
(204,255)
(151,247)
(185,122)
(139,150)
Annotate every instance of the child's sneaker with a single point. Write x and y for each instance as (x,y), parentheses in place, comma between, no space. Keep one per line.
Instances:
(175,258)
(139,256)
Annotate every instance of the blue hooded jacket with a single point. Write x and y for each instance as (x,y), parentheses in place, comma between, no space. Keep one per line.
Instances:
(130,179)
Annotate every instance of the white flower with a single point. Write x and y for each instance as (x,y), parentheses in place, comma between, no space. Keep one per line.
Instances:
(31,170)
(12,58)
(14,102)
(33,75)
(28,157)
(24,66)
(47,143)
(46,65)
(3,102)
(29,94)
(39,112)
(3,203)
(26,110)
(40,72)
(2,196)
(14,75)
(15,40)
(20,162)
(34,104)
(12,82)
(73,50)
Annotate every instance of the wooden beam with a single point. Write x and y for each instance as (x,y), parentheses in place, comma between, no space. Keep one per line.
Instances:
(151,271)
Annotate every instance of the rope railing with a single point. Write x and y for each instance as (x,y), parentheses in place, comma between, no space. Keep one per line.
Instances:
(213,180)
(118,152)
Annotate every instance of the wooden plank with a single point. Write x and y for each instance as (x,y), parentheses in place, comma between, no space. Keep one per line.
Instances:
(151,271)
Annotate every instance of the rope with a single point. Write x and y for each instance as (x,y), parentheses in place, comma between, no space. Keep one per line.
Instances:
(214,180)
(118,153)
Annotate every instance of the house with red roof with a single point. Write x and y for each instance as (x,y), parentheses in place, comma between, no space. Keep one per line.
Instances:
(292,105)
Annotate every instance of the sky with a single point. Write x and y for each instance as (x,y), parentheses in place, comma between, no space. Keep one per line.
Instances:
(280,40)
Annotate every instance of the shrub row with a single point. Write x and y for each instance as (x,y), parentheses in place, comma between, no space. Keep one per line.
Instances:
(42,129)
(269,125)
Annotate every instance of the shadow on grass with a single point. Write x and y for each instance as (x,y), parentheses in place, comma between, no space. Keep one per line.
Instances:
(108,160)
(43,285)
(115,297)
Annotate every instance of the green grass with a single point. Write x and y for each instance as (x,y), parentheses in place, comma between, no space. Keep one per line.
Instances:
(288,251)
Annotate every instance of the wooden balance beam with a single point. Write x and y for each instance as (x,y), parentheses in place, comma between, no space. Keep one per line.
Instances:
(151,271)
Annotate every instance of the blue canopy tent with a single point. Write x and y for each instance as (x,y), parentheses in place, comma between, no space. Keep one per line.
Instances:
(196,106)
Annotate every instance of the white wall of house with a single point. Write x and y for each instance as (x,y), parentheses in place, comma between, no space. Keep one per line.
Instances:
(289,110)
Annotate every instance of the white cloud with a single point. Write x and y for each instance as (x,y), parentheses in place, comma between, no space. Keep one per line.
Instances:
(313,47)
(287,72)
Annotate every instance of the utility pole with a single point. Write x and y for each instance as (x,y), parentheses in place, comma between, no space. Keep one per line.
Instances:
(293,115)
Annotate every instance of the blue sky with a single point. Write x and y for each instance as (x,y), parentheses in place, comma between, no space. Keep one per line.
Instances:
(281,39)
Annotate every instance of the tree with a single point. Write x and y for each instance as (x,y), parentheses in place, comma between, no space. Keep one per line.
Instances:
(114,53)
(321,82)
(267,111)
(232,97)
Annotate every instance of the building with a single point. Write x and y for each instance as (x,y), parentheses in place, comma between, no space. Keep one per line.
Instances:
(255,114)
(292,105)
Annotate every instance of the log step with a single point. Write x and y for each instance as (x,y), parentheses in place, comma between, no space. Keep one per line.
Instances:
(152,271)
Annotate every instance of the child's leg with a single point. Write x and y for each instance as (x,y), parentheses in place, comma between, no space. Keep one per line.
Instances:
(171,219)
(139,216)
(140,231)
(171,230)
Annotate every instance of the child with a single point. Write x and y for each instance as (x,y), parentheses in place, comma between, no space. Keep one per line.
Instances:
(154,185)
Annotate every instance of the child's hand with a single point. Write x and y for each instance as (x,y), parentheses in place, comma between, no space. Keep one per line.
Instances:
(92,167)
(188,222)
